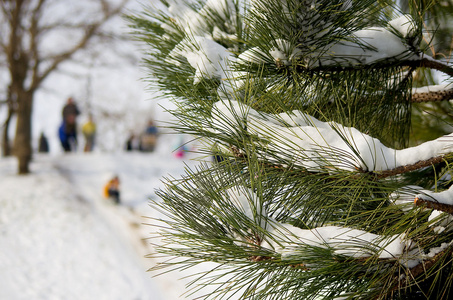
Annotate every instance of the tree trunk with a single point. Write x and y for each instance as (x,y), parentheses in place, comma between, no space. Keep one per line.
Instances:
(6,147)
(22,142)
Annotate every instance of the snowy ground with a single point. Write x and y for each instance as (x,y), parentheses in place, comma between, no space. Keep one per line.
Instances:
(60,239)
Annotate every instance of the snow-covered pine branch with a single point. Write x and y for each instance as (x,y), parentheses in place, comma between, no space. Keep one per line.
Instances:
(293,243)
(366,46)
(290,242)
(442,201)
(197,22)
(308,105)
(300,139)
(371,45)
(207,57)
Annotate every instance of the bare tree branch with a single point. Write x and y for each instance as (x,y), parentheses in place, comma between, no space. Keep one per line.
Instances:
(91,31)
(24,54)
(34,33)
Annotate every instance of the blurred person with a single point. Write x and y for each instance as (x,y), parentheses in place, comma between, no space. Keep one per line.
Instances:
(68,139)
(43,144)
(89,133)
(149,138)
(112,189)
(133,143)
(68,128)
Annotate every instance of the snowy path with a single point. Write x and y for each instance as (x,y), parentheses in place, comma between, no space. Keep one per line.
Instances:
(61,240)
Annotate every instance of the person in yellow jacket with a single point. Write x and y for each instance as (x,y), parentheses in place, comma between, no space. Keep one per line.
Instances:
(112,189)
(89,132)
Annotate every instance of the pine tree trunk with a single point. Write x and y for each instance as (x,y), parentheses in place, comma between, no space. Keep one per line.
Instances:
(22,141)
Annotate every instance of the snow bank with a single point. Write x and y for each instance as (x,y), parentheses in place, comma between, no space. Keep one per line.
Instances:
(56,245)
(61,240)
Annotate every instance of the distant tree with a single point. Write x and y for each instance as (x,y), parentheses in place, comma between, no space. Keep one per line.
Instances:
(37,37)
(308,106)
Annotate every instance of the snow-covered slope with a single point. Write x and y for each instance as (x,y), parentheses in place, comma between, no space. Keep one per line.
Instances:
(60,239)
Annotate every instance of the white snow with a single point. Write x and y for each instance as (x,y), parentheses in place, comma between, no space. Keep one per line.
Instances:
(370,45)
(246,201)
(289,241)
(436,250)
(377,44)
(405,196)
(284,52)
(61,239)
(305,141)
(194,22)
(432,88)
(186,17)
(206,56)
(404,24)
(444,197)
(440,221)
(254,55)
(365,46)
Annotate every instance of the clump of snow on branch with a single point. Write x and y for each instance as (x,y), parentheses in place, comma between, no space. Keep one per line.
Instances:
(305,14)
(289,241)
(284,53)
(371,45)
(248,203)
(195,22)
(405,25)
(440,221)
(408,195)
(365,46)
(199,48)
(207,57)
(302,140)
(343,241)
(433,251)
(444,197)
(405,196)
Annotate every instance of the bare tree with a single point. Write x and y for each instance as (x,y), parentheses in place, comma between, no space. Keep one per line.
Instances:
(37,37)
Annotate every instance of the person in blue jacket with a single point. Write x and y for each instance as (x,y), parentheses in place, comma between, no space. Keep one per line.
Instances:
(68,129)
